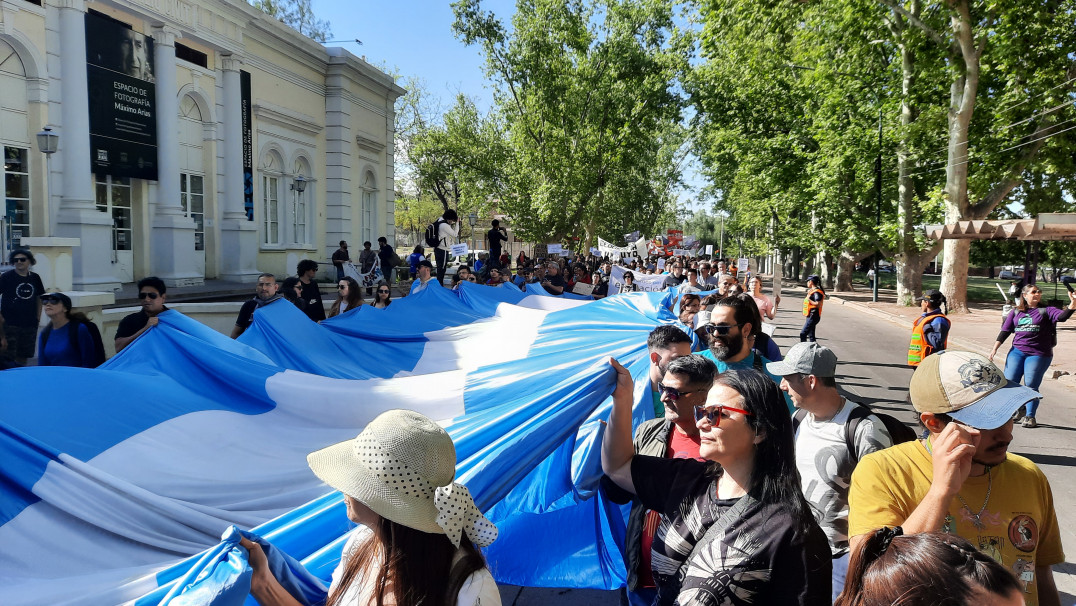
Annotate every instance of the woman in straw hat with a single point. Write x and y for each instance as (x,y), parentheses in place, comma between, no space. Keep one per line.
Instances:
(417,543)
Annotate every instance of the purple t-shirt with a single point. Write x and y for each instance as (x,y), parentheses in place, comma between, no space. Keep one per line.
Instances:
(1034,331)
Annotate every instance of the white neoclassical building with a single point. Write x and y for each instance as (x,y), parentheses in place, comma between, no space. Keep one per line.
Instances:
(197,139)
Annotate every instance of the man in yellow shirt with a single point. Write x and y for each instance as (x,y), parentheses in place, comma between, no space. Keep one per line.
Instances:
(960,478)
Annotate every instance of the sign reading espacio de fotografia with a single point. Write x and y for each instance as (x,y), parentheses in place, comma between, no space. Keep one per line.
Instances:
(122,99)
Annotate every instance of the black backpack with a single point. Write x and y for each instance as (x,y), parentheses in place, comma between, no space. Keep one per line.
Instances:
(432,235)
(95,334)
(898,431)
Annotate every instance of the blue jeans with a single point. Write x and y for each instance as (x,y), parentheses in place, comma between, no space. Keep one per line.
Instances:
(840,571)
(1019,365)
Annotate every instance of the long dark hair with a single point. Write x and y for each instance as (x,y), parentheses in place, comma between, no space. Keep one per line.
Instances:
(934,569)
(416,564)
(1021,301)
(775,479)
(354,296)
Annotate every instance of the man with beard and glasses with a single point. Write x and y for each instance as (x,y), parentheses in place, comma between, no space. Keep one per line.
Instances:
(665,344)
(731,331)
(684,386)
(960,478)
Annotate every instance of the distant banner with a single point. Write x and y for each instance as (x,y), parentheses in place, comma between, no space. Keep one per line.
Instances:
(368,279)
(121,98)
(645,283)
(607,248)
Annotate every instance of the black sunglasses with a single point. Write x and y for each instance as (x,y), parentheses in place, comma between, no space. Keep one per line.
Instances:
(148,295)
(673,393)
(20,260)
(382,292)
(719,329)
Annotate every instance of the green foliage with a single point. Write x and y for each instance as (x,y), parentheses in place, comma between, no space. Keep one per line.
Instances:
(299,14)
(586,93)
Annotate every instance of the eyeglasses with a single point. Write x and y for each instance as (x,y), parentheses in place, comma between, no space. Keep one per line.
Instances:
(148,295)
(20,259)
(720,329)
(341,286)
(50,301)
(713,413)
(673,393)
(382,292)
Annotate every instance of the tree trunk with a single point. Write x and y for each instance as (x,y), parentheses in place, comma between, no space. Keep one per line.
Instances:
(846,265)
(825,262)
(962,96)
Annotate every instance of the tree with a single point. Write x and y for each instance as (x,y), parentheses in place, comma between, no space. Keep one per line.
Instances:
(997,57)
(299,14)
(587,98)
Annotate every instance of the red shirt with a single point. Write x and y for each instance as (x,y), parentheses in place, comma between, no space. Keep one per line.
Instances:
(681,446)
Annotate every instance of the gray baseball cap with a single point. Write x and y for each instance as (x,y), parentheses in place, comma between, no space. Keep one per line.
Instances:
(807,358)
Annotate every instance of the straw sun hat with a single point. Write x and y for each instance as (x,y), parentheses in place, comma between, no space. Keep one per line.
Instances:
(401,466)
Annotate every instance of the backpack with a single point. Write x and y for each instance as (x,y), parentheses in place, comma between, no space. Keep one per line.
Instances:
(432,235)
(95,334)
(898,431)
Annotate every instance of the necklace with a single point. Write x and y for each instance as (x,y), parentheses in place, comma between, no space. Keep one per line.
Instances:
(976,518)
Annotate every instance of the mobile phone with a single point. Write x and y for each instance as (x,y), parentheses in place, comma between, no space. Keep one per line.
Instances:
(1068,285)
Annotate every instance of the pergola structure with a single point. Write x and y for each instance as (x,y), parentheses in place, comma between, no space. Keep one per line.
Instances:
(1045,227)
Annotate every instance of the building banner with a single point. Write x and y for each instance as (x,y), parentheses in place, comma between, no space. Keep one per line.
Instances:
(644,283)
(248,145)
(607,248)
(122,99)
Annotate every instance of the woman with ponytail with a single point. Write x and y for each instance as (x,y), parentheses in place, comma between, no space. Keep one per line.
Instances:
(930,569)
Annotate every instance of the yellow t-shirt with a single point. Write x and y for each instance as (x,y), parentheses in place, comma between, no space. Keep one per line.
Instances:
(1019,524)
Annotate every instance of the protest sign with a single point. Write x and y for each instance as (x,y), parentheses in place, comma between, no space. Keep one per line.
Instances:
(742,266)
(582,288)
(661,264)
(459,249)
(709,249)
(553,249)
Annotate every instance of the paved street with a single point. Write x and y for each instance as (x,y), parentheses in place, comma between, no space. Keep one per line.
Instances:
(872,353)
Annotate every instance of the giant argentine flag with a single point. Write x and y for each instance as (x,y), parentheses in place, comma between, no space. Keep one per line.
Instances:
(116,484)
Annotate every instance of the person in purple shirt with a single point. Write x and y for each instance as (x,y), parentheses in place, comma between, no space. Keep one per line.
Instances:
(1035,330)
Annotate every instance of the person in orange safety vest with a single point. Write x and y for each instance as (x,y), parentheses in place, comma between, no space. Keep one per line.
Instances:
(930,332)
(812,307)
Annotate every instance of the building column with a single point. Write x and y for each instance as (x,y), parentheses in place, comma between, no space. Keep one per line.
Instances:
(339,150)
(78,216)
(239,237)
(172,254)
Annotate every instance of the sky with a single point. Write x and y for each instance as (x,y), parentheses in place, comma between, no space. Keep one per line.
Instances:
(414,38)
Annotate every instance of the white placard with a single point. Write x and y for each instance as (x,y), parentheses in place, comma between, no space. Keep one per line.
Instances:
(709,249)
(582,288)
(742,266)
(553,249)
(458,249)
(594,250)
(661,263)
(565,253)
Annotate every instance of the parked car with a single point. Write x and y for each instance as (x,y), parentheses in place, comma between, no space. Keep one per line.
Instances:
(1007,275)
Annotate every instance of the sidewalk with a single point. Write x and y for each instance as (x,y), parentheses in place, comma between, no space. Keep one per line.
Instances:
(975,331)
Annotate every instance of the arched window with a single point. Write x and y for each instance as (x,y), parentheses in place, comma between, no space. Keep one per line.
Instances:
(192,171)
(271,172)
(369,206)
(15,146)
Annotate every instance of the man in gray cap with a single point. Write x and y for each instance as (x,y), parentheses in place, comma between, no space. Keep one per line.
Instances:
(832,434)
(960,478)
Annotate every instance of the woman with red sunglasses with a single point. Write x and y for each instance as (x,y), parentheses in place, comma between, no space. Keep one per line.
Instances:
(735,527)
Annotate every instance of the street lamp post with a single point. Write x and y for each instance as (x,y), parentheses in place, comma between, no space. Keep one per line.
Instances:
(47,143)
(472,219)
(298,186)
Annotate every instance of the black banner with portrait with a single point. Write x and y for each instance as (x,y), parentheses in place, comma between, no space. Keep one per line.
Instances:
(122,99)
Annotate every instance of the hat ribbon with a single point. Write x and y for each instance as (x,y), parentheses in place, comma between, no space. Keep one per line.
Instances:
(457,514)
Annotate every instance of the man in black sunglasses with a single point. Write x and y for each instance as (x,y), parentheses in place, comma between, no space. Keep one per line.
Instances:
(151,293)
(20,308)
(684,385)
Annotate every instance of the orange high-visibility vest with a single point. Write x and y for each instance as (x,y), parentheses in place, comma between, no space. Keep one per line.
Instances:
(808,304)
(919,348)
